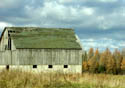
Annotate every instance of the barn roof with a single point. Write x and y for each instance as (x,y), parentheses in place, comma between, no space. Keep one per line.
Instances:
(34,37)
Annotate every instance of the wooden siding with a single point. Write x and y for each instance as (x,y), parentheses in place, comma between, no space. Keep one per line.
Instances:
(5,57)
(41,57)
(4,41)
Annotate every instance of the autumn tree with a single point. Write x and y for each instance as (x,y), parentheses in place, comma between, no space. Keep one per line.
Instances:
(110,65)
(123,52)
(109,61)
(123,65)
(107,52)
(118,58)
(103,60)
(97,55)
(85,63)
(85,66)
(93,62)
(90,53)
(102,63)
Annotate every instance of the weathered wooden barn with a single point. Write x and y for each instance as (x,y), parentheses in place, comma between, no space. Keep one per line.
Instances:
(40,49)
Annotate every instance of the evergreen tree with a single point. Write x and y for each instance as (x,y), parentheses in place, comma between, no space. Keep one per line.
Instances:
(85,64)
(85,56)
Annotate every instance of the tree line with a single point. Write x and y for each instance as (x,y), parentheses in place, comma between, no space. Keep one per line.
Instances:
(104,62)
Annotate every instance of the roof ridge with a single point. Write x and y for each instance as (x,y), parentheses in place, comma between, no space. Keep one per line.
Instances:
(40,27)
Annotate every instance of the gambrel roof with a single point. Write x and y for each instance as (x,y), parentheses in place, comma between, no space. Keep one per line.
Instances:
(34,37)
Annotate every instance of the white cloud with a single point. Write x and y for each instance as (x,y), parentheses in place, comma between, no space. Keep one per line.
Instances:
(122,44)
(54,14)
(4,24)
(82,1)
(102,44)
(88,11)
(107,0)
(65,1)
(114,19)
(88,40)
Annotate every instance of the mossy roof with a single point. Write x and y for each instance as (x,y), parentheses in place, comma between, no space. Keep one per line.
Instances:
(34,37)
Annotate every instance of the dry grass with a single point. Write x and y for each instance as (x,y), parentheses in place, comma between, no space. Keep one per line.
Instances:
(19,79)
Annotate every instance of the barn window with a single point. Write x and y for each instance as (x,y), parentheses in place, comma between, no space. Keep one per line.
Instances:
(65,66)
(34,66)
(50,66)
(10,31)
(7,67)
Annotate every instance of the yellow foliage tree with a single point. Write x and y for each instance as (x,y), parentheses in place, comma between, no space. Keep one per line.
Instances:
(118,58)
(85,66)
(123,64)
(102,62)
(110,65)
(90,53)
(93,64)
(97,55)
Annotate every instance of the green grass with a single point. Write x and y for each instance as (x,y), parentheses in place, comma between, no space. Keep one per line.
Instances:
(20,79)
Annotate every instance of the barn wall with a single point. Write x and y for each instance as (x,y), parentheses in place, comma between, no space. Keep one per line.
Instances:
(41,57)
(13,47)
(26,58)
(47,57)
(5,57)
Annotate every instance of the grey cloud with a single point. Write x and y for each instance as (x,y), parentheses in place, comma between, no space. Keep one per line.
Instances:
(114,33)
(54,13)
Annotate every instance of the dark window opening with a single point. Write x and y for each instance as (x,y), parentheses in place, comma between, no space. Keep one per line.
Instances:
(7,67)
(9,41)
(34,66)
(50,66)
(14,31)
(9,44)
(65,66)
(10,31)
(8,35)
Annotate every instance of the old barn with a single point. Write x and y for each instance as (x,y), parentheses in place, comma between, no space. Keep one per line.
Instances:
(40,49)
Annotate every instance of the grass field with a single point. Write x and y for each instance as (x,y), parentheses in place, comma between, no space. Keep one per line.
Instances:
(19,79)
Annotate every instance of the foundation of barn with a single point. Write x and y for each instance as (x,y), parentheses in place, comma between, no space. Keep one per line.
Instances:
(44,68)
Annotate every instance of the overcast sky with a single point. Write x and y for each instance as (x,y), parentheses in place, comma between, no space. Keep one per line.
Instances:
(98,23)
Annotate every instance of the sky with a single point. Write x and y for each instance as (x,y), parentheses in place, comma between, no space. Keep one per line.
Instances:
(98,23)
